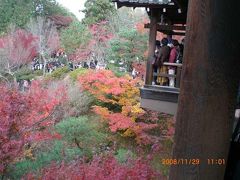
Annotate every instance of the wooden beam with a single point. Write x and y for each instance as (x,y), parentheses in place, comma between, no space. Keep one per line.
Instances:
(147,5)
(152,44)
(168,29)
(209,85)
(173,33)
(161,27)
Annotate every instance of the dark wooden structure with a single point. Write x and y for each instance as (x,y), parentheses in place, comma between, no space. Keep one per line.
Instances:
(61,21)
(168,17)
(209,81)
(210,78)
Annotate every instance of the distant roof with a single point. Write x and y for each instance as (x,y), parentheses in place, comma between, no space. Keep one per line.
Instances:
(61,21)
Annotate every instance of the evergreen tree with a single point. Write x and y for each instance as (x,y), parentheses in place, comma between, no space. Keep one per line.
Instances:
(128,46)
(97,10)
(16,12)
(75,35)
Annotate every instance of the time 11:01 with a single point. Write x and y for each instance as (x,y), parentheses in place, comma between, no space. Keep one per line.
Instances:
(216,161)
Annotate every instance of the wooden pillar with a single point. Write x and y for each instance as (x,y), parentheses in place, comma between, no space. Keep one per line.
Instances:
(208,92)
(152,41)
(178,76)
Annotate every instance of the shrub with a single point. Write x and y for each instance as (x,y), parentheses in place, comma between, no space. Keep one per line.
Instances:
(27,74)
(59,73)
(77,72)
(115,69)
(56,151)
(24,74)
(78,102)
(83,133)
(123,155)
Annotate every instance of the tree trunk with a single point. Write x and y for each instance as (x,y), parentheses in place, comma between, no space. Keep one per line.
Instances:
(209,86)
(44,65)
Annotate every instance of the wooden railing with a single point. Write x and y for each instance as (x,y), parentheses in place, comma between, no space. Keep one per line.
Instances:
(176,75)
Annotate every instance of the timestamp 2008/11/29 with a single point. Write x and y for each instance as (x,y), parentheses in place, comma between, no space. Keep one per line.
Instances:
(180,161)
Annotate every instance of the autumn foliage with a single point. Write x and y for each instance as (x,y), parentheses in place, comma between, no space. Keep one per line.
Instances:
(23,116)
(100,35)
(16,48)
(101,168)
(120,106)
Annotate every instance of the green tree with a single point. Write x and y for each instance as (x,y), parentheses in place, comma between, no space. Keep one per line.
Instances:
(74,36)
(97,10)
(128,46)
(84,133)
(14,12)
(127,18)
(19,12)
(48,8)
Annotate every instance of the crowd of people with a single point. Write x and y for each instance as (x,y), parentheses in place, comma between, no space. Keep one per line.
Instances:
(167,50)
(55,63)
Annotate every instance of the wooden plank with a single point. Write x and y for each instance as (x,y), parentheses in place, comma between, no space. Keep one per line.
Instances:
(172,64)
(173,33)
(163,88)
(159,106)
(154,94)
(209,87)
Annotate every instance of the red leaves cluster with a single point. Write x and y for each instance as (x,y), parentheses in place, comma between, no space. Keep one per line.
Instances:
(119,122)
(19,46)
(100,31)
(12,108)
(116,121)
(21,116)
(101,168)
(103,83)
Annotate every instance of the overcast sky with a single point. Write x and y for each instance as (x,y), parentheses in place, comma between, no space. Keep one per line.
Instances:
(74,6)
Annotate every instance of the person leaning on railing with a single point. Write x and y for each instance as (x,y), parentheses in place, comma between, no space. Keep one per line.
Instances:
(172,59)
(163,56)
(155,61)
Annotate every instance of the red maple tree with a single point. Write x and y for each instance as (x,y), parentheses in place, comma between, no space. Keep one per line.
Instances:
(22,115)
(16,49)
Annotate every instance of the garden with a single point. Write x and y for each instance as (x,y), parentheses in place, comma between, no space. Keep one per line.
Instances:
(63,121)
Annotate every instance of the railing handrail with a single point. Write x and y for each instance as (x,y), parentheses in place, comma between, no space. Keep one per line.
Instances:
(172,64)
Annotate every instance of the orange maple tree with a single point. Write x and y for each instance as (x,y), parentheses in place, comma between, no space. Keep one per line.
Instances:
(119,99)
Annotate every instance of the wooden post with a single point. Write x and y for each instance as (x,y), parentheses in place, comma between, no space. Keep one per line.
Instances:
(152,41)
(178,78)
(209,82)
